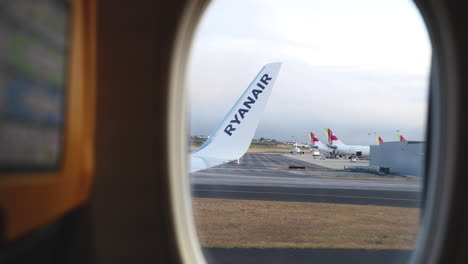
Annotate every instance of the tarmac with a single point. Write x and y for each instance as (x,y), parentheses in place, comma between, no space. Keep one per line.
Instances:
(337,164)
(265,176)
(262,176)
(316,195)
(304,256)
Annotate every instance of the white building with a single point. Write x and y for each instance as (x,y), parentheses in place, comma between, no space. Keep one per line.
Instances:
(404,158)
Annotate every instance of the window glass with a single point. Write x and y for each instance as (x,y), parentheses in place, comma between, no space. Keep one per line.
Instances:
(333,170)
(33,52)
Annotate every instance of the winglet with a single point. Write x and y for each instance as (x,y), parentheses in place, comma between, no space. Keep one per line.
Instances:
(231,139)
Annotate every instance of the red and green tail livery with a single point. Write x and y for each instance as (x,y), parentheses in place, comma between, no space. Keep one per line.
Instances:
(330,136)
(313,138)
(379,140)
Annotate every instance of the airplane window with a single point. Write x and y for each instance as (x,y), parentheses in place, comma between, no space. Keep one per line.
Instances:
(33,50)
(307,130)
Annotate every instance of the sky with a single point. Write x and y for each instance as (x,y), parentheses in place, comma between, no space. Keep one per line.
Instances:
(358,67)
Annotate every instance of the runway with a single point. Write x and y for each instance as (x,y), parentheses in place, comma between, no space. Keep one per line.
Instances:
(261,176)
(317,195)
(298,256)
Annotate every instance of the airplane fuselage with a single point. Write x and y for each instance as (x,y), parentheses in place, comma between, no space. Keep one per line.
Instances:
(322,148)
(296,150)
(356,150)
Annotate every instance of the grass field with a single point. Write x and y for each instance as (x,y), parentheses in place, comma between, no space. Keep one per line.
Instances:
(267,224)
(262,148)
(269,148)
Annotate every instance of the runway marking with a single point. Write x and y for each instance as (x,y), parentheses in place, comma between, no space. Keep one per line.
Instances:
(323,169)
(285,177)
(301,177)
(319,195)
(381,178)
(253,177)
(304,178)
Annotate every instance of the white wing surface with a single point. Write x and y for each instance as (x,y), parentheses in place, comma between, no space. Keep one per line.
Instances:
(231,139)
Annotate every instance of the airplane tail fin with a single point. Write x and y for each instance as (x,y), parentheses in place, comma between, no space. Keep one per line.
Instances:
(231,139)
(313,138)
(331,137)
(401,138)
(379,140)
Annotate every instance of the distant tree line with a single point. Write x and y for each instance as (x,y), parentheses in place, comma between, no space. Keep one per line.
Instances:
(199,140)
(264,141)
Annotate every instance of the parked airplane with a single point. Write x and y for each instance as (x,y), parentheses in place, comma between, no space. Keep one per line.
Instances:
(302,145)
(401,138)
(231,139)
(296,150)
(318,145)
(341,148)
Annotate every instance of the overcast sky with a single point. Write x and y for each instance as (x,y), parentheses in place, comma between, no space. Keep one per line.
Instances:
(357,67)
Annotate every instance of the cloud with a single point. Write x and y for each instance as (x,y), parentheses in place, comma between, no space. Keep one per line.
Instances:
(345,67)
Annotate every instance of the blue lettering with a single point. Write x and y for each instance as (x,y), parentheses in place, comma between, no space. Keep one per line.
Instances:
(256,92)
(228,130)
(265,79)
(242,112)
(248,103)
(235,120)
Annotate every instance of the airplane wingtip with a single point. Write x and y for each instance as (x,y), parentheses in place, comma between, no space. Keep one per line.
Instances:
(276,63)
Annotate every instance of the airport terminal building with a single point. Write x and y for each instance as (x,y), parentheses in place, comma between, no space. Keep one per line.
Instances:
(400,157)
